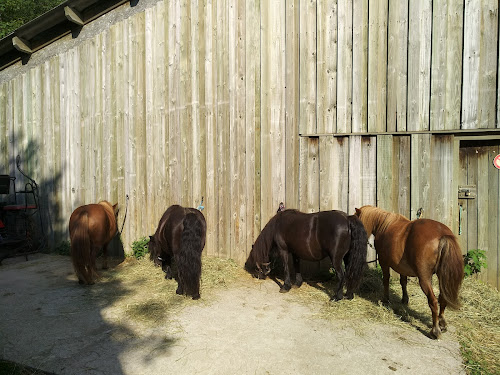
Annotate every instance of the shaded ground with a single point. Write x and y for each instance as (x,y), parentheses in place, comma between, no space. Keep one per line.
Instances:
(50,322)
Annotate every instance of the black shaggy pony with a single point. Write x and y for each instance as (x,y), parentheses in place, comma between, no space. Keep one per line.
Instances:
(180,234)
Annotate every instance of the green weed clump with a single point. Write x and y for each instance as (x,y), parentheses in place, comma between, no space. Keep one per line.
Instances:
(140,247)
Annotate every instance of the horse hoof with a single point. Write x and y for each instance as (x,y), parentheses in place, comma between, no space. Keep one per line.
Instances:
(284,289)
(349,296)
(435,333)
(178,291)
(196,297)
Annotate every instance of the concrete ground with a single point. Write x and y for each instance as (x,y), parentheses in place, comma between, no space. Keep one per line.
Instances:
(50,322)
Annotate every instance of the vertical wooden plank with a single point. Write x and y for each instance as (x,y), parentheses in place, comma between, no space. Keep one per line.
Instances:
(377,65)
(75,153)
(98,100)
(46,168)
(446,64)
(360,66)
(419,60)
(174,131)
(211,198)
(292,104)
(369,170)
(197,98)
(54,202)
(397,65)
(420,167)
(237,138)
(355,165)
(442,194)
(123,116)
(462,176)
(310,174)
(272,108)
(385,175)
(493,217)
(138,132)
(223,178)
(326,66)
(185,104)
(107,56)
(308,53)
(345,68)
(483,204)
(333,172)
(472,204)
(402,184)
(252,120)
(154,49)
(480,64)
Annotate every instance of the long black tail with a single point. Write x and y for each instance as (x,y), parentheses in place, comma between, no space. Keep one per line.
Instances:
(357,253)
(188,258)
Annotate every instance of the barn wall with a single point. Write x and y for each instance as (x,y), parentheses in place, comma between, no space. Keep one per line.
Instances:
(321,104)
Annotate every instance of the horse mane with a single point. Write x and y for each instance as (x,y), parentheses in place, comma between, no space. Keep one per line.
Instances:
(375,218)
(263,243)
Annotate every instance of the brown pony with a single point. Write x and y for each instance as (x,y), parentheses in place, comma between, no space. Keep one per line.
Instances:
(312,237)
(420,248)
(180,235)
(91,227)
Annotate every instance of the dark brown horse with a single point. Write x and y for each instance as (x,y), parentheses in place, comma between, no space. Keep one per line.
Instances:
(180,235)
(91,227)
(312,237)
(420,248)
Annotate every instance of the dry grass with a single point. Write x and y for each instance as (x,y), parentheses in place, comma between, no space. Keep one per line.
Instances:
(137,290)
(476,325)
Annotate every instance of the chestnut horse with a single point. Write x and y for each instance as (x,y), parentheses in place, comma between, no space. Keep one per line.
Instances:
(420,248)
(312,237)
(91,227)
(180,234)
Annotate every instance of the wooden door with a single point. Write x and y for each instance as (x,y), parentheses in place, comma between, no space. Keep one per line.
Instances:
(479,203)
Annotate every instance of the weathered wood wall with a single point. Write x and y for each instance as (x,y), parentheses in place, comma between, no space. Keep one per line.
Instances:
(322,104)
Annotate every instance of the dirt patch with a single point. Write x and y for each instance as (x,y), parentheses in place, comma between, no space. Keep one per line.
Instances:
(244,326)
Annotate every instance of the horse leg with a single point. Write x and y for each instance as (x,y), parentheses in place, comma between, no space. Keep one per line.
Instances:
(442,307)
(287,283)
(386,274)
(105,257)
(403,280)
(337,266)
(166,266)
(298,276)
(425,284)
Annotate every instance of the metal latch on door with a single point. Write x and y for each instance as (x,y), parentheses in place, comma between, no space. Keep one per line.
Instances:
(467,192)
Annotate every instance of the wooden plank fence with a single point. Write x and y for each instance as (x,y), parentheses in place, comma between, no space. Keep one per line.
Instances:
(320,104)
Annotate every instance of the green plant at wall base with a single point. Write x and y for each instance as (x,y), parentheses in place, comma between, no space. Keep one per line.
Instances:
(474,261)
(140,247)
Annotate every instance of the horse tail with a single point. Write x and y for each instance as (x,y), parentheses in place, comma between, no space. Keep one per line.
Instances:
(450,270)
(188,258)
(80,250)
(357,253)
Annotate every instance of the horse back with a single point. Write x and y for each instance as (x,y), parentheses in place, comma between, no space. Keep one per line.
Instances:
(409,246)
(312,236)
(171,226)
(101,225)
